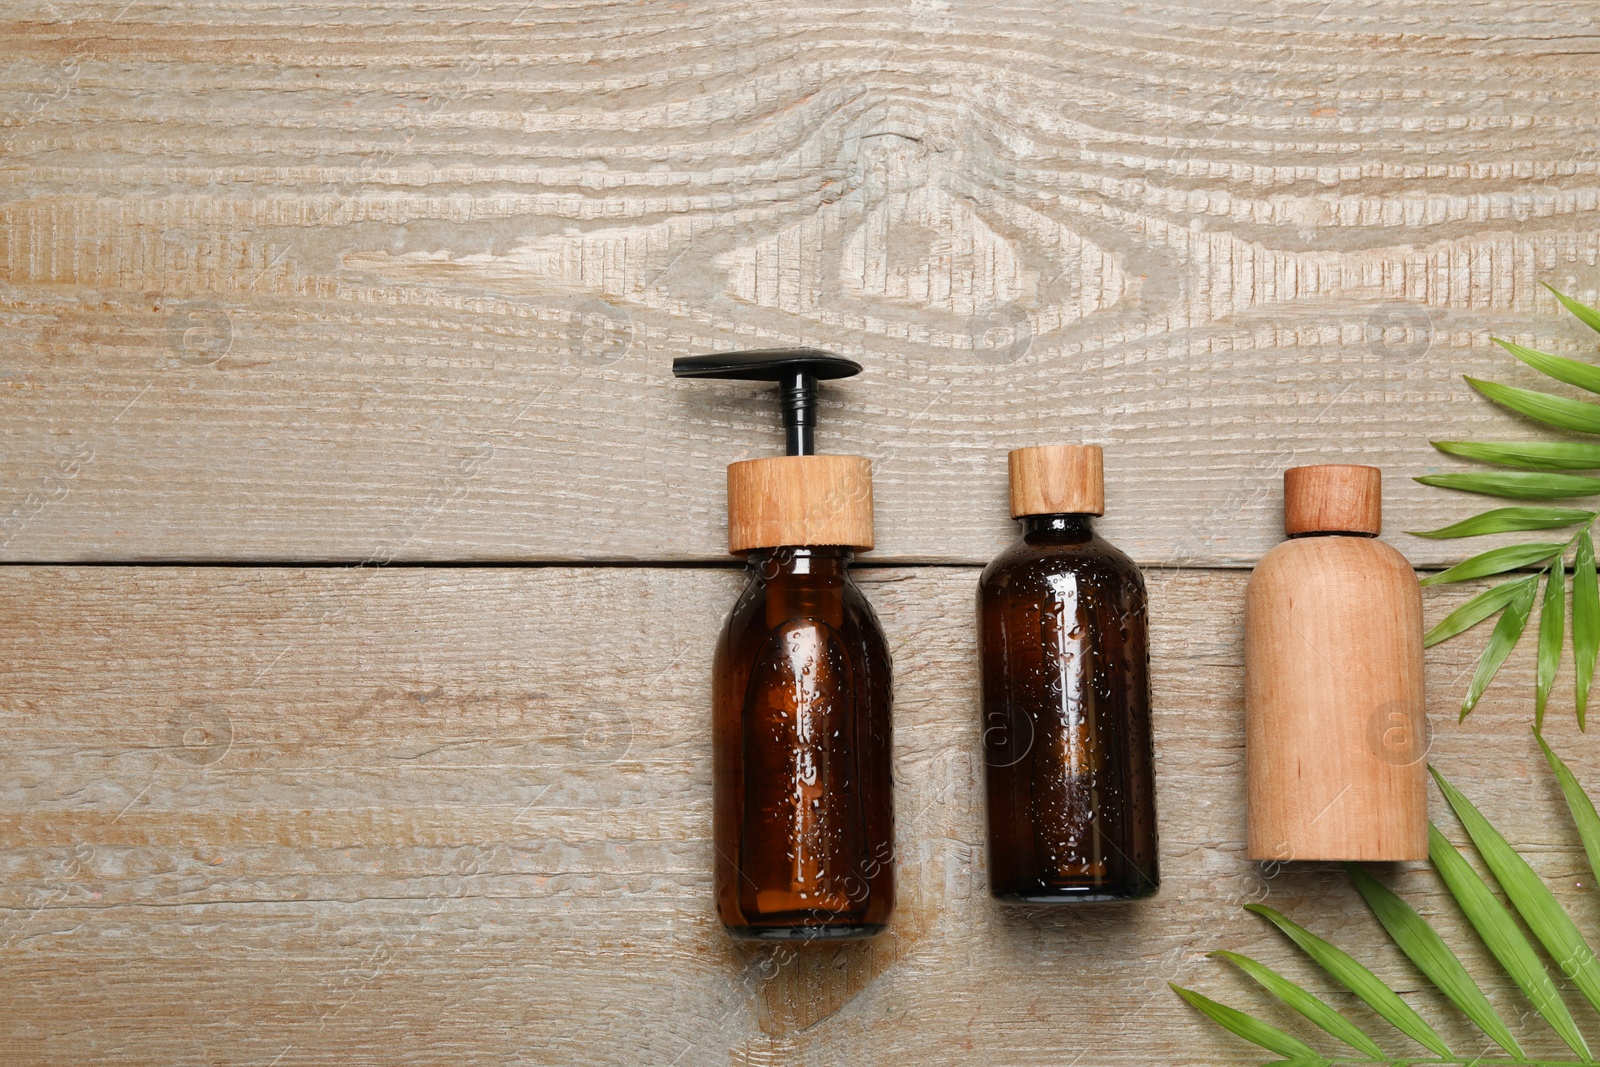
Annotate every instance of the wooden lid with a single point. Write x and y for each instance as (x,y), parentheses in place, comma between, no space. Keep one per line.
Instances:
(800,500)
(1332,498)
(1057,480)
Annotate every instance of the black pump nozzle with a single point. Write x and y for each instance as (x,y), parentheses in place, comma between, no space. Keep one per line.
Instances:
(798,370)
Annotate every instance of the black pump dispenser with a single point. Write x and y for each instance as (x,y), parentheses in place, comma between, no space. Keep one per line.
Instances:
(798,370)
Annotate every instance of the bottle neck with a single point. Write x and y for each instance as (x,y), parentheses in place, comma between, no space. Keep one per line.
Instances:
(824,561)
(1331,533)
(1065,528)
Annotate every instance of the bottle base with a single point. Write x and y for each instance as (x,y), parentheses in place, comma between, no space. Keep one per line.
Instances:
(840,932)
(1044,893)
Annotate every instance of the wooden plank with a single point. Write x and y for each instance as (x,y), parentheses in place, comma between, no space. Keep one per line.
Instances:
(404,281)
(323,816)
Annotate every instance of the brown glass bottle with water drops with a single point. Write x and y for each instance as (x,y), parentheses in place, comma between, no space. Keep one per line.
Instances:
(1068,757)
(803,820)
(802,806)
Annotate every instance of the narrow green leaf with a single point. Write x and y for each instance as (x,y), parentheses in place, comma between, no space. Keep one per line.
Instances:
(1585,620)
(1558,411)
(1529,895)
(1517,485)
(1571,371)
(1507,632)
(1507,520)
(1537,455)
(1586,315)
(1552,623)
(1305,1003)
(1425,948)
(1496,561)
(1360,981)
(1579,804)
(1500,935)
(1476,610)
(1248,1027)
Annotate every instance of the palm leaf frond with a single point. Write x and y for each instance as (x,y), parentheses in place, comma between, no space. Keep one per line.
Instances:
(1250,1028)
(1533,455)
(1424,947)
(1498,926)
(1355,977)
(1544,476)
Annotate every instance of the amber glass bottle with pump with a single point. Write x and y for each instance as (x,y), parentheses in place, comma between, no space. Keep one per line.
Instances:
(802,813)
(1066,696)
(1335,727)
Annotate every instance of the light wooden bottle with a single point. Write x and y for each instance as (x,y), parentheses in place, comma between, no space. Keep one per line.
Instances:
(1335,725)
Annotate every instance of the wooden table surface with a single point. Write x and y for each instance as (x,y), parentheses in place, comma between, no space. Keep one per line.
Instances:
(364,561)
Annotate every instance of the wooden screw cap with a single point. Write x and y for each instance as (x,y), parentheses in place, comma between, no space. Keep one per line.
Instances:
(1332,498)
(800,500)
(1057,480)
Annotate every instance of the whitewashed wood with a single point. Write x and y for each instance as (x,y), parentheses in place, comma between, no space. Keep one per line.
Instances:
(419,819)
(403,281)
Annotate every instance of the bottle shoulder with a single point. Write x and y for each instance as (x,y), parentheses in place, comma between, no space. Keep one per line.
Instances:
(1024,564)
(858,607)
(1364,553)
(836,598)
(1321,561)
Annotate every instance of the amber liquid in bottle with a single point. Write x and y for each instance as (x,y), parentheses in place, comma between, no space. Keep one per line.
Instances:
(802,814)
(1066,718)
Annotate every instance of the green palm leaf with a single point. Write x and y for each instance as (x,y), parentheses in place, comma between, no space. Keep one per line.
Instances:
(1538,907)
(1579,804)
(1251,1029)
(1583,375)
(1476,610)
(1425,948)
(1500,935)
(1539,455)
(1585,621)
(1542,477)
(1561,412)
(1507,632)
(1495,925)
(1516,485)
(1552,618)
(1496,561)
(1355,977)
(1305,1003)
(1586,314)
(1510,520)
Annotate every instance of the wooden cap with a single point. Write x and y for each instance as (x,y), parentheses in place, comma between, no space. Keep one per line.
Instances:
(1332,498)
(800,500)
(1057,480)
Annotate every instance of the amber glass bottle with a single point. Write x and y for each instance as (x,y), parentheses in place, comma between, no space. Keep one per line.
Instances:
(803,818)
(802,812)
(1066,696)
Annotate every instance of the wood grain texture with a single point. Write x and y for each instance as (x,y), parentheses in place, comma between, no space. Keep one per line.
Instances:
(800,500)
(1057,479)
(410,816)
(1332,498)
(288,281)
(1334,703)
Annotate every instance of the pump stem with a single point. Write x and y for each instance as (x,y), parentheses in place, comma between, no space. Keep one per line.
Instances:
(799,413)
